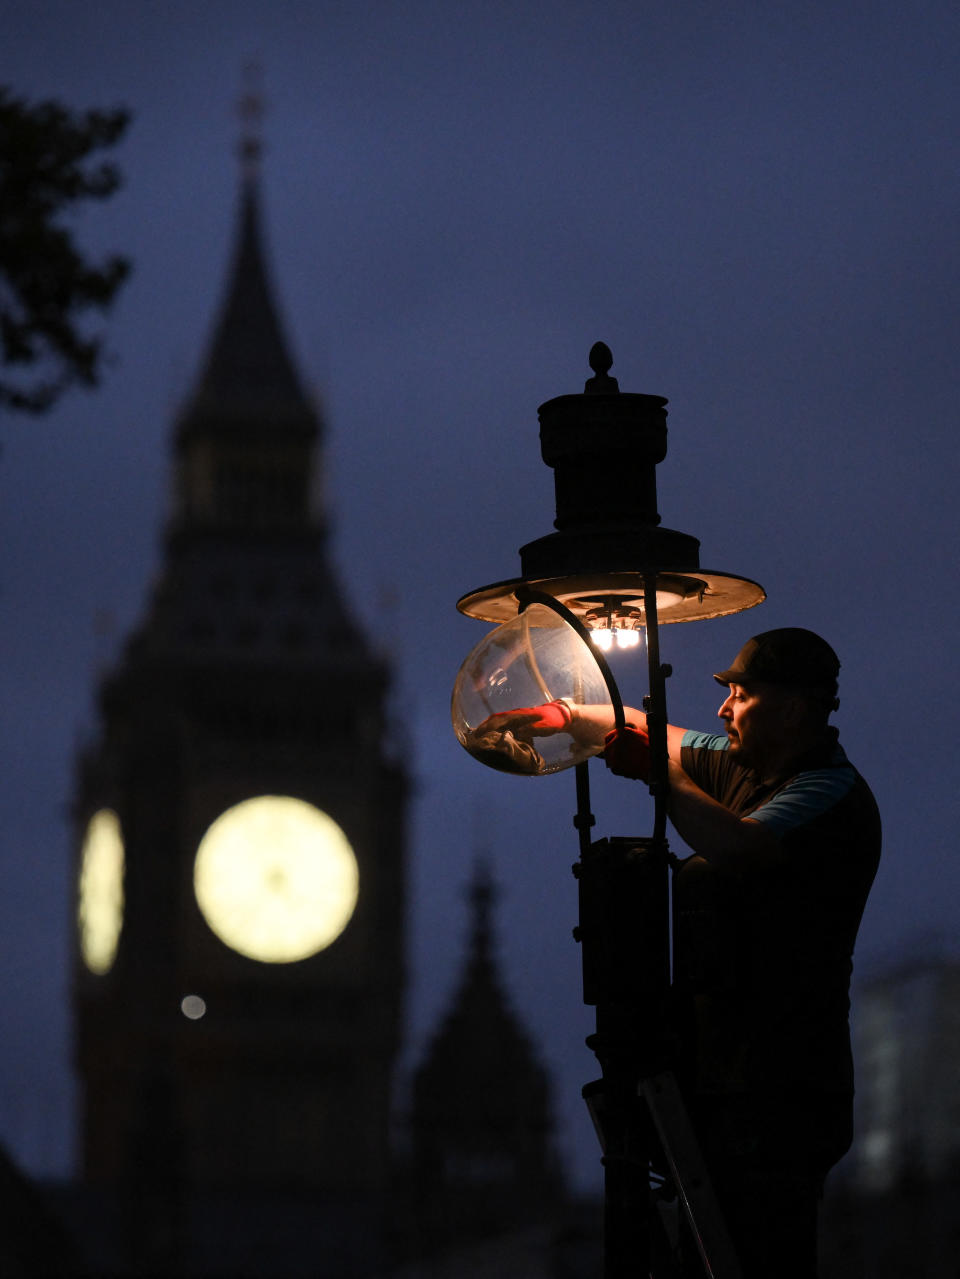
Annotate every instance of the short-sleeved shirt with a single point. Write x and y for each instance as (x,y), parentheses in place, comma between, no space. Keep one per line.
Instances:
(764,957)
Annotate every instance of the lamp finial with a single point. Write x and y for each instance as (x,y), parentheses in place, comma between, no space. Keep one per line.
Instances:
(601,361)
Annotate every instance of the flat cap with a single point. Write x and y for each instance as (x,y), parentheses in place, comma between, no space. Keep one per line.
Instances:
(790,655)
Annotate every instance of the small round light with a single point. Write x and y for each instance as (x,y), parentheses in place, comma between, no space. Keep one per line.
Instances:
(193,1007)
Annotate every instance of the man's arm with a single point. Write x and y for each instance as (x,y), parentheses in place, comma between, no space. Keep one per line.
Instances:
(591,724)
(588,725)
(724,840)
(734,843)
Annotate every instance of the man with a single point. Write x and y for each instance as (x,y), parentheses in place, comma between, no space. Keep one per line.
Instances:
(786,840)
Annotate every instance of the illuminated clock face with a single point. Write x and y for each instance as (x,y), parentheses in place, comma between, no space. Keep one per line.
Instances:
(276,879)
(100,907)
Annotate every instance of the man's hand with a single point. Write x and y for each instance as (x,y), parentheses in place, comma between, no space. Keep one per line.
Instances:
(627,752)
(527,722)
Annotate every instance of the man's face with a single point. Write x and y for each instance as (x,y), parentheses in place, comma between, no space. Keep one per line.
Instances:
(754,718)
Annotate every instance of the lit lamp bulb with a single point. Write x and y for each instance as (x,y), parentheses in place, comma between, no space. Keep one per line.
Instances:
(606,637)
(621,629)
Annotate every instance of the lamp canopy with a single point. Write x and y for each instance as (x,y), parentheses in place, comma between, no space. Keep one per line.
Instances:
(604,447)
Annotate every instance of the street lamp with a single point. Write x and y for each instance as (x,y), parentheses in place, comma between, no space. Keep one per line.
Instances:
(608,574)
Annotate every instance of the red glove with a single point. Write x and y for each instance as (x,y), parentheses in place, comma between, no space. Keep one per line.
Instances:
(627,752)
(531,721)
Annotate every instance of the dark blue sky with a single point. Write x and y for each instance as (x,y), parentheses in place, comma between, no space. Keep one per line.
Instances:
(756,207)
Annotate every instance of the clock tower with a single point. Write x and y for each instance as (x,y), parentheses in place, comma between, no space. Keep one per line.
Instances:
(240,855)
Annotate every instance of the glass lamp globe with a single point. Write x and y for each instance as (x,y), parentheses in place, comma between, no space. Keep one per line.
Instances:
(535,658)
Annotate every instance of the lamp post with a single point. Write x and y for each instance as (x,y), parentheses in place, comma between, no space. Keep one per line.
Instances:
(609,571)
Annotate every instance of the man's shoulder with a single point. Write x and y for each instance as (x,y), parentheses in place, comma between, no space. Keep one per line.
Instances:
(828,789)
(694,740)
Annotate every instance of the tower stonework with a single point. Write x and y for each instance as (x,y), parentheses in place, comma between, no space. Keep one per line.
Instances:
(240,857)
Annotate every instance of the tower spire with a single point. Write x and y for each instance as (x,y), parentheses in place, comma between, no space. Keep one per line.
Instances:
(246,437)
(249,352)
(248,475)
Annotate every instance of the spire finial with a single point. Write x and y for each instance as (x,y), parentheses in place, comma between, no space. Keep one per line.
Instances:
(601,361)
(482,894)
(250,109)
